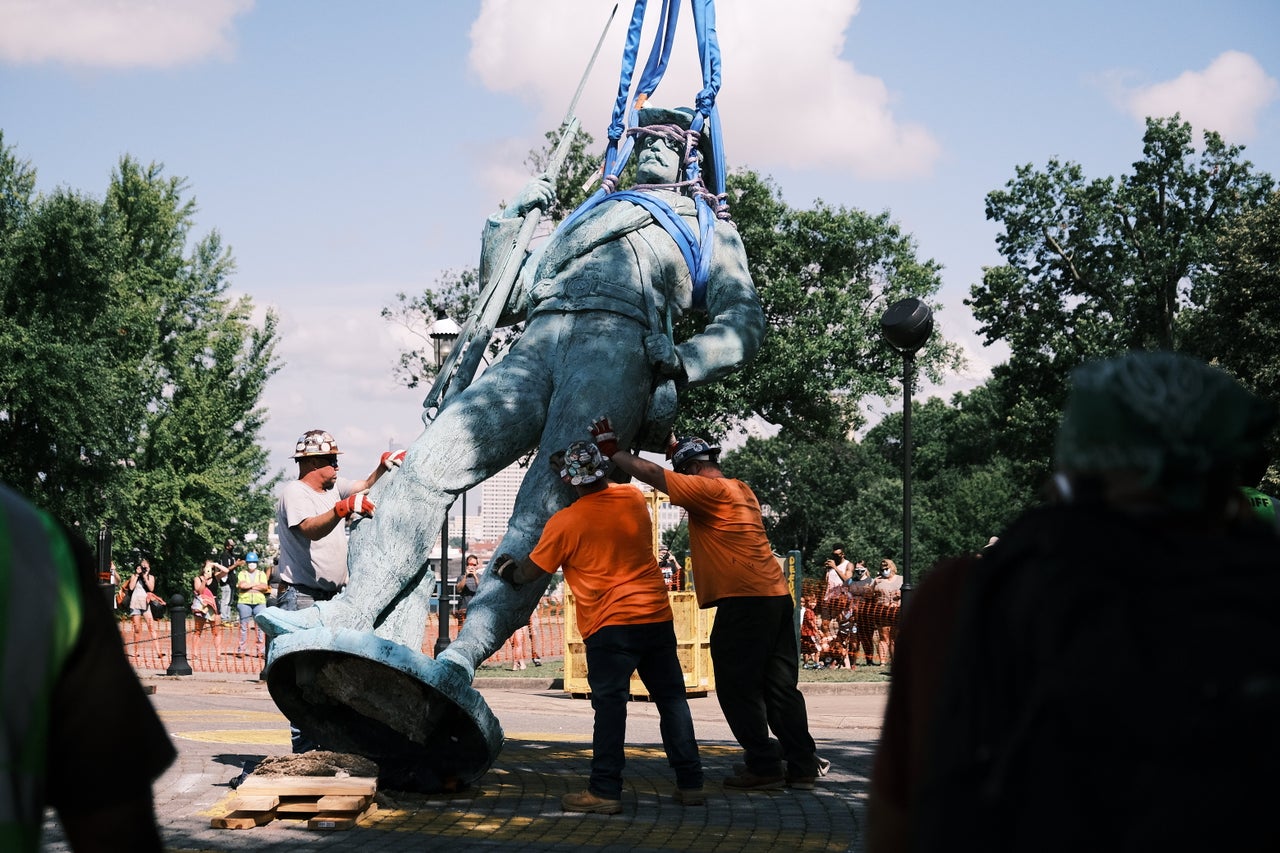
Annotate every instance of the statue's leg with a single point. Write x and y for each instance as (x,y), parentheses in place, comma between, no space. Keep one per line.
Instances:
(477,434)
(599,368)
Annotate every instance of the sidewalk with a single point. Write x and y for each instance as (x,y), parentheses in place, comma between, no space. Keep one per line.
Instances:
(219,721)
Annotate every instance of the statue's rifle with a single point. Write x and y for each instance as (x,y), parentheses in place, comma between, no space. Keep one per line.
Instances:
(461,365)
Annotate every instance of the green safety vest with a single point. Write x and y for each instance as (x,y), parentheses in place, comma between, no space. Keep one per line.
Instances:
(40,621)
(1262,504)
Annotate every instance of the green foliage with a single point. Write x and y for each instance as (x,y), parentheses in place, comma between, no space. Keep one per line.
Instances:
(825,491)
(1098,267)
(1238,328)
(131,391)
(455,295)
(824,277)
(677,538)
(807,489)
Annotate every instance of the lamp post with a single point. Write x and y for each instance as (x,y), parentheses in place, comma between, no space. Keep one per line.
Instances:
(906,325)
(444,334)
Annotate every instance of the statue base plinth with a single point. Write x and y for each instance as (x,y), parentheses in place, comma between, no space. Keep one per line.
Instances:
(419,719)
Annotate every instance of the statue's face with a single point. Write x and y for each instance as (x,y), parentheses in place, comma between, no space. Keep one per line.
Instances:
(658,162)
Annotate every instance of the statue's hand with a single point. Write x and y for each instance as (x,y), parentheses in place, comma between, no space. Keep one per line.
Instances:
(662,353)
(505,568)
(540,192)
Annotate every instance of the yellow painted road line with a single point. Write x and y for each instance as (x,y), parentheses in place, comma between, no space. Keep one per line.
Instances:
(257,737)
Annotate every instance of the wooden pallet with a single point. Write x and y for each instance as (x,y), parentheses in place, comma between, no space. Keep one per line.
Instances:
(324,802)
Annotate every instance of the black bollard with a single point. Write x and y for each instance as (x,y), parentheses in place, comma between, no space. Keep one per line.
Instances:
(104,567)
(178,637)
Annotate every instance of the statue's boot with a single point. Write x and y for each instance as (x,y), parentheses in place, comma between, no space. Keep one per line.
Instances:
(333,614)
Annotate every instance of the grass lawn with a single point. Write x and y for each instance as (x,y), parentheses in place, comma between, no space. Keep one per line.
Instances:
(554,668)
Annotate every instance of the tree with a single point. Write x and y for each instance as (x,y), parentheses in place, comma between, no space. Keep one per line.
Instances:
(1098,267)
(807,489)
(964,489)
(824,276)
(455,295)
(133,383)
(677,538)
(1238,327)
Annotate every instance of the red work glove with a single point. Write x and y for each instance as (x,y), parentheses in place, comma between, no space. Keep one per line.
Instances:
(358,503)
(604,436)
(392,459)
(672,444)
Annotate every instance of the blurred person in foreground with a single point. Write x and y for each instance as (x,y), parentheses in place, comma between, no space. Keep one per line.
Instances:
(72,708)
(1030,711)
(603,540)
(754,650)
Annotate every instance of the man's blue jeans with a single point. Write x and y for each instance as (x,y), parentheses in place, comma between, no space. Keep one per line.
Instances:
(295,599)
(613,653)
(247,613)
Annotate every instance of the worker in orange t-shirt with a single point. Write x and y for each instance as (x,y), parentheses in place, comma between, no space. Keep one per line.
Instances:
(753,642)
(603,542)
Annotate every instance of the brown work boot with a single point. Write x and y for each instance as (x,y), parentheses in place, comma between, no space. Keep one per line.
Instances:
(745,780)
(585,801)
(691,796)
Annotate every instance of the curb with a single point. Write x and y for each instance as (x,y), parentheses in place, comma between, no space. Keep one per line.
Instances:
(498,682)
(817,688)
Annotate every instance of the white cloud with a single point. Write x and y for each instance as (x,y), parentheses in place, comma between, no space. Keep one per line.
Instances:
(335,350)
(820,114)
(1227,96)
(116,33)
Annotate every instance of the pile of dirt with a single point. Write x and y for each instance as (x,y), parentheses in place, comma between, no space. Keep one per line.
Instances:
(317,763)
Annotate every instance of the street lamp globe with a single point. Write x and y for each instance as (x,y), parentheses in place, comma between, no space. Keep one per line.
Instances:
(906,325)
(444,334)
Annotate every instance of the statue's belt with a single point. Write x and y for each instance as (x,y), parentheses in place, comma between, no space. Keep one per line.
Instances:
(589,291)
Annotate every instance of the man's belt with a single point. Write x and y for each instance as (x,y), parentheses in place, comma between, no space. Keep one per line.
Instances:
(312,591)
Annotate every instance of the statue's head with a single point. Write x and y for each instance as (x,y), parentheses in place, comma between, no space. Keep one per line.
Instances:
(659,136)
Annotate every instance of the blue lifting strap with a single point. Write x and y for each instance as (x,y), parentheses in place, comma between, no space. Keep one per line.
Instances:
(696,248)
(668,219)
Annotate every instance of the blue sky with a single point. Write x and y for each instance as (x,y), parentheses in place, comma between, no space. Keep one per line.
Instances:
(348,151)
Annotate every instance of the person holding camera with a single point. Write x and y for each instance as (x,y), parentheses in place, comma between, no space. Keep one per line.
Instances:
(467,588)
(839,573)
(142,592)
(225,582)
(204,607)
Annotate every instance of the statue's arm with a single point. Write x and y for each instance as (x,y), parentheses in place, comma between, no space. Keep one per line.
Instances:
(735,327)
(498,244)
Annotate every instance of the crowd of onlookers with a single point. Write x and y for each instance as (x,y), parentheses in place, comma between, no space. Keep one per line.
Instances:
(853,618)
